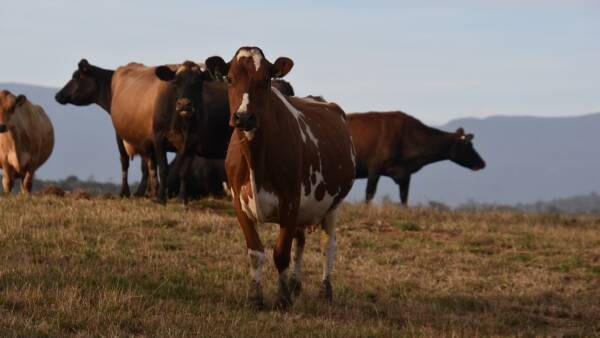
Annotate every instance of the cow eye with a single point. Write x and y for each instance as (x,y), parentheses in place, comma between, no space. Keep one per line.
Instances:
(228,80)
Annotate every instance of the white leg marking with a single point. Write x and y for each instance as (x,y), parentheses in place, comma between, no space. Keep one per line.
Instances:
(257,260)
(298,252)
(328,243)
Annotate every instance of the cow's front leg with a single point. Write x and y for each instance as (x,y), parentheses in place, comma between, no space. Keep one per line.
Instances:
(7,178)
(296,278)
(328,245)
(143,186)
(256,255)
(281,256)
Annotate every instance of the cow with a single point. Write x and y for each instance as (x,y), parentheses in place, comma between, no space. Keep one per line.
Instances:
(290,161)
(397,145)
(93,85)
(141,108)
(26,140)
(206,177)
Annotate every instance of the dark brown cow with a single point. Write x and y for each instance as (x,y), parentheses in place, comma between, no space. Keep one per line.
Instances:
(206,177)
(290,161)
(397,145)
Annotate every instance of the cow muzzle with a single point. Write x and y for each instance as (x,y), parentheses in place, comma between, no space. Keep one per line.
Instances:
(3,128)
(244,121)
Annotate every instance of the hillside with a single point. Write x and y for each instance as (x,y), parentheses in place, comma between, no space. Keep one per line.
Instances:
(529,158)
(106,267)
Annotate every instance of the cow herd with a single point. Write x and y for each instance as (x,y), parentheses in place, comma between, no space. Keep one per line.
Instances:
(285,159)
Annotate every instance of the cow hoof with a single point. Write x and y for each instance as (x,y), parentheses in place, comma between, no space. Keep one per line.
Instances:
(326,291)
(284,299)
(255,297)
(295,286)
(125,193)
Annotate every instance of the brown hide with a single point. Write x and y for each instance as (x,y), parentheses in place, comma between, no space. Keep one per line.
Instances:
(27,142)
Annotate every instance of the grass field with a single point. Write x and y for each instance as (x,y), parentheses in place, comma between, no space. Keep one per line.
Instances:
(110,267)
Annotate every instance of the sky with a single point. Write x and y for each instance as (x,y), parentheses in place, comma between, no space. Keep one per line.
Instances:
(437,60)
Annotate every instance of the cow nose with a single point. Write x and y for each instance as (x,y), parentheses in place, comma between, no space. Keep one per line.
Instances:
(244,121)
(59,98)
(3,128)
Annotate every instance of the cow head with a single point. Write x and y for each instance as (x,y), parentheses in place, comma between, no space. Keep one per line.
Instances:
(463,153)
(248,76)
(8,105)
(82,89)
(187,81)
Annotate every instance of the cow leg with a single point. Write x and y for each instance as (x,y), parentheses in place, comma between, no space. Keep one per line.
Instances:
(328,245)
(152,176)
(372,180)
(7,178)
(26,182)
(256,254)
(296,279)
(143,187)
(163,169)
(281,257)
(124,158)
(404,184)
(184,175)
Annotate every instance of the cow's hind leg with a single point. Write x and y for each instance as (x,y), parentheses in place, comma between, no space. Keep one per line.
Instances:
(404,184)
(124,158)
(152,177)
(281,256)
(328,245)
(163,170)
(372,180)
(296,278)
(143,186)
(26,182)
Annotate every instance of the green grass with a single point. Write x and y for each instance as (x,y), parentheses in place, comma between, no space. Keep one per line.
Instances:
(111,267)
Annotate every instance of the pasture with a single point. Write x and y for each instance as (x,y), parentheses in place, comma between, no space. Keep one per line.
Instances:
(109,267)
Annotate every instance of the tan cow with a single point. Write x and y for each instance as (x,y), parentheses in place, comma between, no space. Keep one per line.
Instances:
(26,140)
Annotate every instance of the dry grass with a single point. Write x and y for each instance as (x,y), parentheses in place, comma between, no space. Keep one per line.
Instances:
(112,267)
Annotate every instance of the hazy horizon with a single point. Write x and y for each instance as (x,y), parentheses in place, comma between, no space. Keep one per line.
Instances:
(436,61)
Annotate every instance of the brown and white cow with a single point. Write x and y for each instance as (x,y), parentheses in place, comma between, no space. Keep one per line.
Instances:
(397,145)
(290,161)
(26,140)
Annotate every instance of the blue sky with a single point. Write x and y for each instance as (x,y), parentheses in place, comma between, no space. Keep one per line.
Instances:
(437,60)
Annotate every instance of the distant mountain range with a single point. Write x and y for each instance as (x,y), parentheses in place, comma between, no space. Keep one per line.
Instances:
(528,158)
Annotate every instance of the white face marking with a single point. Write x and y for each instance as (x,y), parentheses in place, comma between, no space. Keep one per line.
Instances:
(243,108)
(254,53)
(257,260)
(299,117)
(250,134)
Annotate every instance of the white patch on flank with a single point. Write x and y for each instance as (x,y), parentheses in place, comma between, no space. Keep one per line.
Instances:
(299,117)
(328,243)
(262,205)
(257,260)
(254,53)
(311,210)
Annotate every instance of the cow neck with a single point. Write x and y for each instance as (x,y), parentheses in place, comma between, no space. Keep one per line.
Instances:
(435,149)
(104,80)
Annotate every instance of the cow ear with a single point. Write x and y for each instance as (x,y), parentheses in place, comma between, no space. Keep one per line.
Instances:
(469,137)
(20,100)
(84,66)
(281,67)
(216,67)
(164,73)
(459,132)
